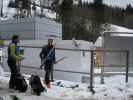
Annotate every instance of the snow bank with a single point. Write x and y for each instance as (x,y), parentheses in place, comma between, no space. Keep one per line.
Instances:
(114,88)
(4,82)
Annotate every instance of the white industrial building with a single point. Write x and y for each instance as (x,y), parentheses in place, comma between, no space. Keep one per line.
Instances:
(116,38)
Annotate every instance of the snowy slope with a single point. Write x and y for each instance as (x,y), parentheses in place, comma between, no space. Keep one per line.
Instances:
(9,12)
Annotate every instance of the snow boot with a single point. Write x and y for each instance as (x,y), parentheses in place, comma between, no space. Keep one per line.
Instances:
(48,86)
(47,83)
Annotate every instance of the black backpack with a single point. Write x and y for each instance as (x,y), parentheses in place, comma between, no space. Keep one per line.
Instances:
(21,84)
(36,85)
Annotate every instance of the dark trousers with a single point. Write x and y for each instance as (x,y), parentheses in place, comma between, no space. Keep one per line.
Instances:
(49,72)
(15,72)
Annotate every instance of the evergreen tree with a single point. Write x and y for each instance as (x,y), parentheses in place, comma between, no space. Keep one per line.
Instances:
(129,9)
(80,3)
(65,13)
(98,2)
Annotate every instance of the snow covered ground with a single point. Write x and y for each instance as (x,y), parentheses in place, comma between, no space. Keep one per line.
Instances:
(114,88)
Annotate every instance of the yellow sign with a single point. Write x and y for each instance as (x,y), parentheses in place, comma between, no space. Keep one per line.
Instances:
(99,58)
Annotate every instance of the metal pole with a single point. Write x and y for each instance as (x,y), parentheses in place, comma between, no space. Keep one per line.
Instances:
(92,72)
(102,67)
(102,74)
(127,66)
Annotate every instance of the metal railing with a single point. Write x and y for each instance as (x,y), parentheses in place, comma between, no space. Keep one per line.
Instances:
(92,62)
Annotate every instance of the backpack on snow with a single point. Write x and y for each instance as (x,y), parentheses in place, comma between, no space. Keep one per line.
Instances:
(21,84)
(36,85)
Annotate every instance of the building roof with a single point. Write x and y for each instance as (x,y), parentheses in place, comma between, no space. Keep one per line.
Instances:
(115,30)
(113,3)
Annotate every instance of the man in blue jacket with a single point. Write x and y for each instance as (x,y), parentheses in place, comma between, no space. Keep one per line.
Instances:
(47,56)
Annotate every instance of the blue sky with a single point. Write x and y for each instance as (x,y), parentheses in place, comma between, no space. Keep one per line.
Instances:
(120,3)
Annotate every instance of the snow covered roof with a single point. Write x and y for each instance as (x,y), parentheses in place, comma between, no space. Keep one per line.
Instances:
(114,3)
(115,30)
(111,28)
(118,3)
(98,42)
(69,44)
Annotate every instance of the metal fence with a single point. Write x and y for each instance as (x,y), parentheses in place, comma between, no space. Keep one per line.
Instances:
(94,59)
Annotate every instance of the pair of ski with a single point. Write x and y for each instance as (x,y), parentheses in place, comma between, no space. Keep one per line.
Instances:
(59,60)
(59,83)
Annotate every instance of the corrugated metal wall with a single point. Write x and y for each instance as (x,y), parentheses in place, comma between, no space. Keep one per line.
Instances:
(30,28)
(22,27)
(46,28)
(118,43)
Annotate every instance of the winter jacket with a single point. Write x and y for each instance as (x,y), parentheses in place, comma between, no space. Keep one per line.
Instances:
(13,52)
(48,53)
